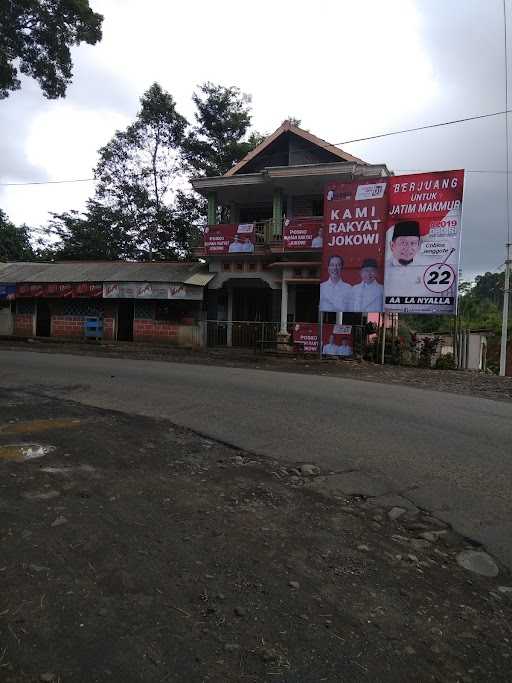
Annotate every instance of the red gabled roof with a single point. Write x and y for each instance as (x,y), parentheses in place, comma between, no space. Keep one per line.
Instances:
(288,127)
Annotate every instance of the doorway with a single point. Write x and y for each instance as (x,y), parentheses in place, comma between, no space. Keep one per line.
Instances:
(6,318)
(43,319)
(125,321)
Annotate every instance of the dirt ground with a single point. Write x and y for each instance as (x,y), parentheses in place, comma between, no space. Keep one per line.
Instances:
(455,381)
(139,551)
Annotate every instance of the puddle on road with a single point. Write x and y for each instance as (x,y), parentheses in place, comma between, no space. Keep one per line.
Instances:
(39,426)
(20,452)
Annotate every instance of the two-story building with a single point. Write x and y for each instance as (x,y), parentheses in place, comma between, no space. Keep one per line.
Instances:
(266,277)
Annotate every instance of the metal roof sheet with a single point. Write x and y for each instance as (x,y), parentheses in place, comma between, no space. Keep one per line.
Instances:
(105,271)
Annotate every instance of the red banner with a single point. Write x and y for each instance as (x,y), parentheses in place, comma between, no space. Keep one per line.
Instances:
(88,290)
(354,246)
(423,242)
(337,339)
(303,233)
(60,290)
(230,238)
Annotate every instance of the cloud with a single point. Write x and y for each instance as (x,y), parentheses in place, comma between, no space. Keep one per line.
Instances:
(347,69)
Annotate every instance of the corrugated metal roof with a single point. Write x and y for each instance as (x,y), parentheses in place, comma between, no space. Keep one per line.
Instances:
(106,271)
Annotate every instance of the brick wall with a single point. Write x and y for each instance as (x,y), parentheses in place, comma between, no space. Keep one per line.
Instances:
(108,328)
(146,329)
(67,326)
(24,325)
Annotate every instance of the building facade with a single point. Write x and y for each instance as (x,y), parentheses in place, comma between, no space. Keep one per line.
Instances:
(113,301)
(270,281)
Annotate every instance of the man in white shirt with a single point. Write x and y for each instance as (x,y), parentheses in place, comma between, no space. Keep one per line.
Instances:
(330,349)
(318,241)
(403,276)
(344,349)
(236,245)
(247,245)
(367,297)
(335,295)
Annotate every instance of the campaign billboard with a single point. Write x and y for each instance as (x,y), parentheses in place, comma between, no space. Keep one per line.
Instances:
(303,233)
(337,340)
(423,242)
(229,238)
(353,254)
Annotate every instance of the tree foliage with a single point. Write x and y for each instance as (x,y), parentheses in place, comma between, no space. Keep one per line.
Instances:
(35,40)
(96,233)
(137,171)
(14,241)
(142,208)
(216,141)
(480,304)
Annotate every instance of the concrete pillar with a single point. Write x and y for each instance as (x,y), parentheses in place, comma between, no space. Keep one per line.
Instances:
(277,212)
(212,208)
(339,318)
(230,317)
(284,303)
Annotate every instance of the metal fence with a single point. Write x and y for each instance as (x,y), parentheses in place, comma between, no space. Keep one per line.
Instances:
(241,333)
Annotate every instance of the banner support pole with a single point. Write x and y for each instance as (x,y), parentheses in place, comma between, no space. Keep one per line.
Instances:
(320,333)
(383,351)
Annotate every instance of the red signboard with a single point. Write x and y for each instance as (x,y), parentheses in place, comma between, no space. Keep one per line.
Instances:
(337,340)
(303,233)
(423,242)
(59,290)
(89,290)
(353,255)
(230,238)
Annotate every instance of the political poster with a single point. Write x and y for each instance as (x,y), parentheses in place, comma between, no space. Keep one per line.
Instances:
(352,276)
(229,238)
(302,233)
(337,340)
(423,242)
(305,337)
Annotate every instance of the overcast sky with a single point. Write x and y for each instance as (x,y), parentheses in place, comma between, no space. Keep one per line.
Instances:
(347,69)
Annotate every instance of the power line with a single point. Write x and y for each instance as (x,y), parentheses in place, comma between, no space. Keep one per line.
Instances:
(48,182)
(345,142)
(432,125)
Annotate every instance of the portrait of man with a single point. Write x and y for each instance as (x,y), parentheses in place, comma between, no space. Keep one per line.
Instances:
(318,241)
(367,296)
(236,245)
(402,276)
(405,242)
(330,349)
(335,295)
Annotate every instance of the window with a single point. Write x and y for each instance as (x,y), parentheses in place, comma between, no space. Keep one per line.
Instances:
(226,266)
(252,266)
(175,311)
(239,267)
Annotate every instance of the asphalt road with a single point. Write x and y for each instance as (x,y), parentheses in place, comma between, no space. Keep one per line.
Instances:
(447,453)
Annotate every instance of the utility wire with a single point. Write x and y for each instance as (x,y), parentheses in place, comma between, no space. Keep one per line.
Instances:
(345,142)
(432,125)
(48,182)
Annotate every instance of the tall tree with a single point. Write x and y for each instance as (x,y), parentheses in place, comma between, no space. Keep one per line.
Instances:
(96,233)
(14,241)
(36,37)
(223,118)
(138,171)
